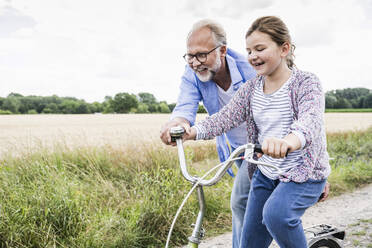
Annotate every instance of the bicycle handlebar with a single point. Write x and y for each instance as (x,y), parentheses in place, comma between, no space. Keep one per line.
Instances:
(176,134)
(219,174)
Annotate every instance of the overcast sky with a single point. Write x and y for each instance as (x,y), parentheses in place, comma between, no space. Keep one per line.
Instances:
(90,49)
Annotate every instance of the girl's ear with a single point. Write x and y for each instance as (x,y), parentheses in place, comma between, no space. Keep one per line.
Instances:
(286,48)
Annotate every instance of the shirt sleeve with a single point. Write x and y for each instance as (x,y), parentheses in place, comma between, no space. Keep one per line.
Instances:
(200,132)
(188,98)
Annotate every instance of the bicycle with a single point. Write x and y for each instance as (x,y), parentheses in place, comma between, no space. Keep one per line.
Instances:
(319,236)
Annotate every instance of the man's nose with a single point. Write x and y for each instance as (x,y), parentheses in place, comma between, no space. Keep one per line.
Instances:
(195,62)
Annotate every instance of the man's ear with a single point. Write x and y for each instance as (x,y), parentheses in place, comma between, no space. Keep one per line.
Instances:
(223,50)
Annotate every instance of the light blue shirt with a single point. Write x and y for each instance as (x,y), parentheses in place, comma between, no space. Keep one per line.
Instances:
(193,91)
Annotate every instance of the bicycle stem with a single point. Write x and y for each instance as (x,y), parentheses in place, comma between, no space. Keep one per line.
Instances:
(198,233)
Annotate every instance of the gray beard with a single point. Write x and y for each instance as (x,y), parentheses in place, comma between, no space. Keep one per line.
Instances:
(211,72)
(207,77)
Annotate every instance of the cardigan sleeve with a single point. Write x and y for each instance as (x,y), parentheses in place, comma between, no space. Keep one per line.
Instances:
(230,116)
(311,104)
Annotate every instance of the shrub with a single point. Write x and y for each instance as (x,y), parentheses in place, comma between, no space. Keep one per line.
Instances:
(5,112)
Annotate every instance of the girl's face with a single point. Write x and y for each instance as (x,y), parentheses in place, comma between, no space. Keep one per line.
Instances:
(264,54)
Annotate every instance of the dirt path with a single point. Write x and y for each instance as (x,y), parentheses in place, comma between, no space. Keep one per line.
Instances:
(351,212)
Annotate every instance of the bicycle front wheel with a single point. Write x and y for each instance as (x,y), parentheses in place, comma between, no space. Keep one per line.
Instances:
(325,243)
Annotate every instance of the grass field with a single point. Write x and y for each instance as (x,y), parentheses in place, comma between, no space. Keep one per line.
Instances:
(362,110)
(24,133)
(118,186)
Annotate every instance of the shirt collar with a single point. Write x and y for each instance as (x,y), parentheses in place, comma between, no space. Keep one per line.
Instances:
(235,75)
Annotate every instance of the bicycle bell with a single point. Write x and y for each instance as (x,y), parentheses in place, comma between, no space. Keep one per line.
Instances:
(176,133)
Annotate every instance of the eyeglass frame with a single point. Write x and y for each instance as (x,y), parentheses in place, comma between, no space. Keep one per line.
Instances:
(199,54)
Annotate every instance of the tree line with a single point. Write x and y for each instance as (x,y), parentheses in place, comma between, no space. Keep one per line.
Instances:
(349,98)
(144,102)
(16,103)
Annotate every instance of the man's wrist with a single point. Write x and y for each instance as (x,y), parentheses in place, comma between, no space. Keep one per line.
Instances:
(180,121)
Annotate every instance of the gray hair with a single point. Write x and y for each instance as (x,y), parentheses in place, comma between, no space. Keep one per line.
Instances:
(217,30)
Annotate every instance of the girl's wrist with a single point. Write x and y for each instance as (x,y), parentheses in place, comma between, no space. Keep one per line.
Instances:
(198,131)
(293,141)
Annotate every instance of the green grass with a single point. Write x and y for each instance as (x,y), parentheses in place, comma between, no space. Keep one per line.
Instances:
(348,110)
(352,165)
(359,233)
(106,197)
(101,197)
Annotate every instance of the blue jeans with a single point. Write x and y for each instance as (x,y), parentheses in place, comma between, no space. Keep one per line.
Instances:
(239,198)
(274,210)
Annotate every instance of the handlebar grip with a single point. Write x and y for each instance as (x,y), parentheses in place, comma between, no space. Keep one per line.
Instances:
(176,133)
(257,148)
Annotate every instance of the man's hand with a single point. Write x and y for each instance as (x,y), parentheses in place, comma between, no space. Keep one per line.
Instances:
(325,193)
(164,132)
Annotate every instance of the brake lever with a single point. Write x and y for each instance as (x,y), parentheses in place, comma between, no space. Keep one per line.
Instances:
(248,156)
(253,161)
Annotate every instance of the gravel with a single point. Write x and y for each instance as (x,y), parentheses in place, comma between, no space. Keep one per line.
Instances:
(351,212)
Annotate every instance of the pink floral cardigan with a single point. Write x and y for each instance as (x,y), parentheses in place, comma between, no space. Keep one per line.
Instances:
(307,104)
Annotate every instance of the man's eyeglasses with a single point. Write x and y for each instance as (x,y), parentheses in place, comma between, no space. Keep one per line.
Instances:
(201,57)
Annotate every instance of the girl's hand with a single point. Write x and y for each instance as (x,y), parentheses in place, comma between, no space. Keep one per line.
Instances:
(276,148)
(325,192)
(190,134)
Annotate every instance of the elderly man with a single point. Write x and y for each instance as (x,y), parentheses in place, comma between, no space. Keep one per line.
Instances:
(213,75)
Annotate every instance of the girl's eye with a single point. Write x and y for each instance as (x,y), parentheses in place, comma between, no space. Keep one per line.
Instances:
(260,49)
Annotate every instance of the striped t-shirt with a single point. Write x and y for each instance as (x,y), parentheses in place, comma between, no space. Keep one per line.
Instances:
(273,118)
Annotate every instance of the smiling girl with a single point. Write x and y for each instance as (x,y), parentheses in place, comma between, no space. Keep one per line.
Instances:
(283,108)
